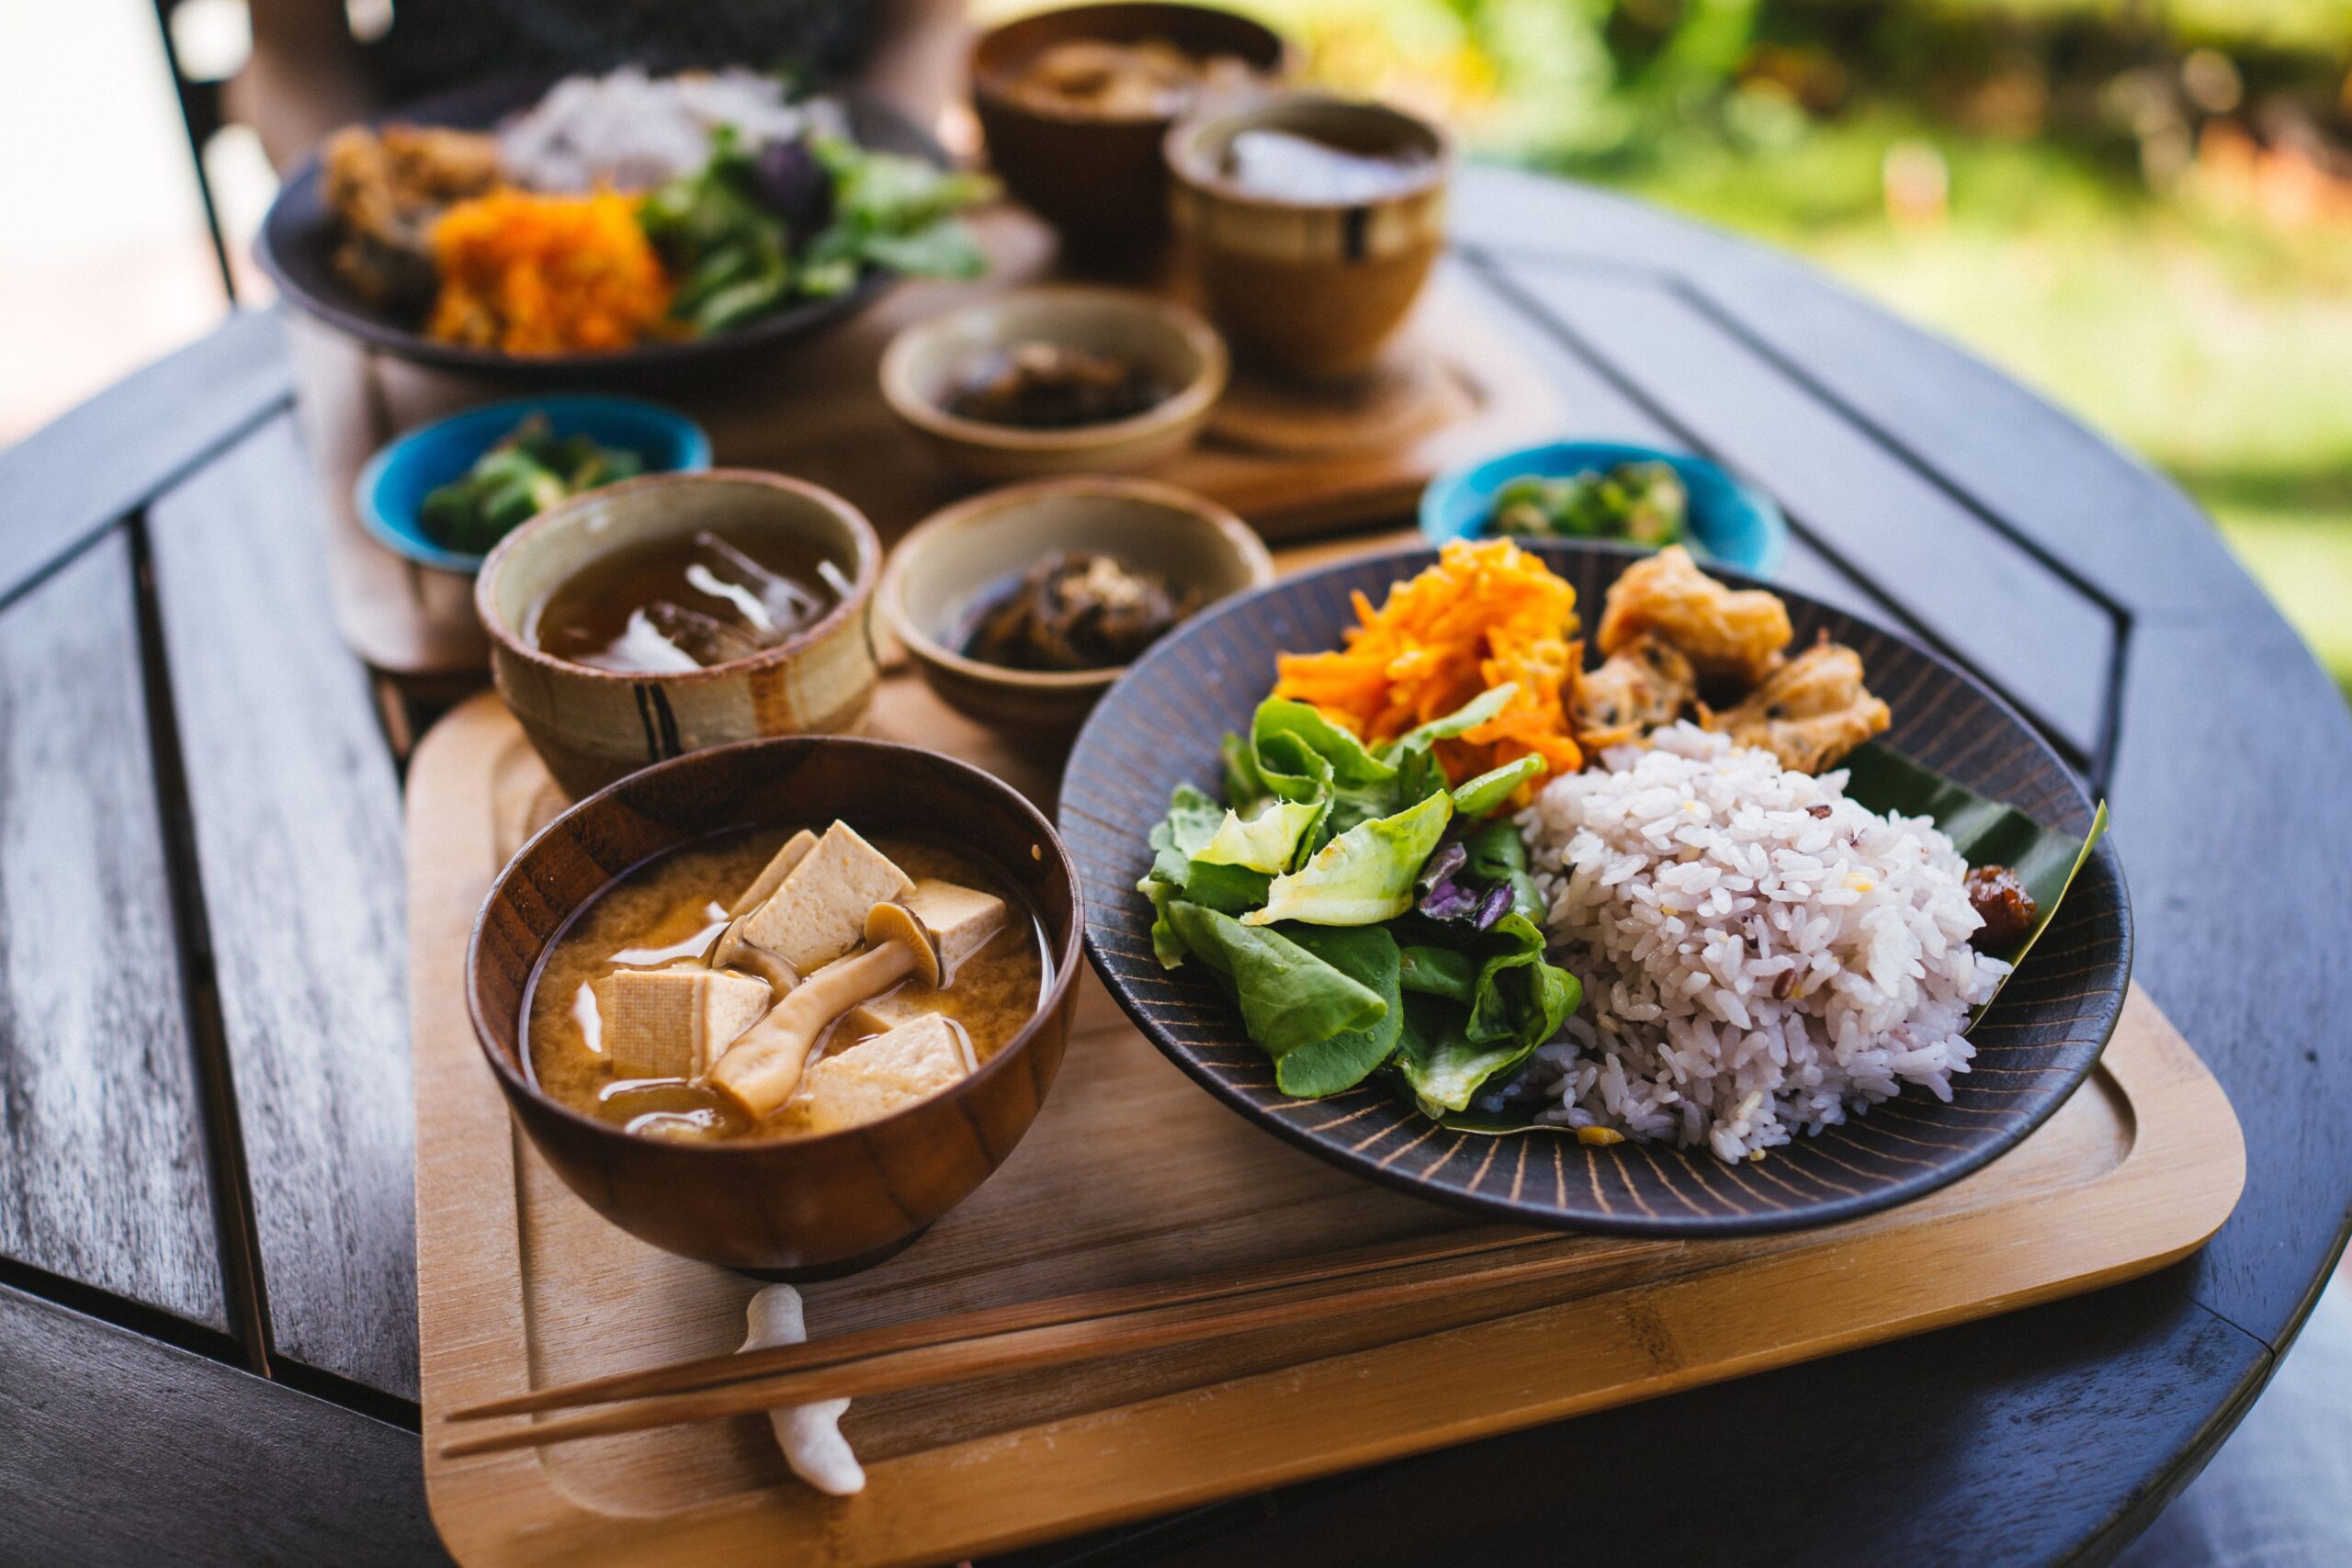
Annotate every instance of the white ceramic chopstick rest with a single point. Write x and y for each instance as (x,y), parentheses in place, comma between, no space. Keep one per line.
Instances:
(810,1435)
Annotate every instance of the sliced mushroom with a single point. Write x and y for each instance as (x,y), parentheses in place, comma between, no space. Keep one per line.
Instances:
(760,1071)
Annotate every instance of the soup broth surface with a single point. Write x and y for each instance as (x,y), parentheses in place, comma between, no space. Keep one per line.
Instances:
(663,606)
(1289,166)
(668,912)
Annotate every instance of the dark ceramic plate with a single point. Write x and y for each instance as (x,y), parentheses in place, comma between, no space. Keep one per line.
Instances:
(296,247)
(1161,725)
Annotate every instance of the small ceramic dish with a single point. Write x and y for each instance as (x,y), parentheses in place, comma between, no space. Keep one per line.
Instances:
(1728,523)
(391,489)
(926,362)
(594,726)
(942,575)
(806,1207)
(1310,287)
(1099,180)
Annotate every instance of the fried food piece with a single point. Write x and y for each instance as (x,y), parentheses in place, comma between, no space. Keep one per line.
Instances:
(1809,712)
(386,188)
(1645,685)
(1733,634)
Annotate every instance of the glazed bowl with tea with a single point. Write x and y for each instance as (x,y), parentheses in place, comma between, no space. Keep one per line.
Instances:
(1075,102)
(778,1006)
(1055,380)
(1023,605)
(1309,224)
(663,615)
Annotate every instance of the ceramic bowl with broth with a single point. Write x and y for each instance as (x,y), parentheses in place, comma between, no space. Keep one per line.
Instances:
(616,883)
(664,614)
(1311,223)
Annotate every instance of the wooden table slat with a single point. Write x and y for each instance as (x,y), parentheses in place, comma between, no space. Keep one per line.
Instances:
(115,1448)
(298,841)
(102,1162)
(94,464)
(2229,811)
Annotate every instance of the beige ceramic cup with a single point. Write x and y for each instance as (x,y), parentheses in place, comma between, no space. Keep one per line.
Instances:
(592,726)
(1306,288)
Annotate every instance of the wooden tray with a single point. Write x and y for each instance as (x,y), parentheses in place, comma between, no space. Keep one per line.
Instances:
(1133,1174)
(814,410)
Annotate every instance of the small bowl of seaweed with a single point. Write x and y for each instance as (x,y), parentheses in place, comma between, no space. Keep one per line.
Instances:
(444,493)
(1021,605)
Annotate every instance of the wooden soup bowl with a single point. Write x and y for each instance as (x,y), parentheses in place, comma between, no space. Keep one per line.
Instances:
(594,726)
(799,1208)
(1309,289)
(1100,181)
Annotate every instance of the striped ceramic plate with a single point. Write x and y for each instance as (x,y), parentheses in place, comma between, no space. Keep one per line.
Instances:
(1161,725)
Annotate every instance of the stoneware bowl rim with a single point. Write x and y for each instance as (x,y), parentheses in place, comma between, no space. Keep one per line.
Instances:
(1258,562)
(1069,957)
(989,85)
(1185,162)
(867,573)
(1192,401)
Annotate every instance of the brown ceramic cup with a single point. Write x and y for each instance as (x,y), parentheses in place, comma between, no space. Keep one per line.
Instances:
(793,1207)
(594,726)
(1098,181)
(1306,287)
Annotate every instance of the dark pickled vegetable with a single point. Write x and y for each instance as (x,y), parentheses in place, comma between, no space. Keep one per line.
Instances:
(2001,900)
(1077,611)
(1047,386)
(527,471)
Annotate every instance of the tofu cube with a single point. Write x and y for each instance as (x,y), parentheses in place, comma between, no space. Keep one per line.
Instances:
(884,1013)
(796,850)
(672,1023)
(876,1076)
(819,912)
(960,919)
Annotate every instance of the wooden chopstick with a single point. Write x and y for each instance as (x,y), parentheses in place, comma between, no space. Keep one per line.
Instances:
(1064,1342)
(710,1372)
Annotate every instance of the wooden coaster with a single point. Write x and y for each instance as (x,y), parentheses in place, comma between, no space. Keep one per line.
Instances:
(1413,390)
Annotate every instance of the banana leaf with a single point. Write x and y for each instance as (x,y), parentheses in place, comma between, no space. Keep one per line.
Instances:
(1985,831)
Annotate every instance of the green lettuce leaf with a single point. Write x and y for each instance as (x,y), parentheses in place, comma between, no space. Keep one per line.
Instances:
(1368,955)
(1363,877)
(1445,972)
(1268,841)
(1469,715)
(1289,997)
(1475,797)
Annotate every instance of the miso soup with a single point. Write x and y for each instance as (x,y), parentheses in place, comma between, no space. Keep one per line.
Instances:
(666,917)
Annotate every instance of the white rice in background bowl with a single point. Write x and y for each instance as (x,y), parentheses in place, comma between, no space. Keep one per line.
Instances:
(1759,954)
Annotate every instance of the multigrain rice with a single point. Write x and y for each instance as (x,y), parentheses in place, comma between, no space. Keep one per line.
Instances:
(1759,953)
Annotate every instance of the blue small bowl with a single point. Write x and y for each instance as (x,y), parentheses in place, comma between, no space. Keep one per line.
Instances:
(392,487)
(1728,523)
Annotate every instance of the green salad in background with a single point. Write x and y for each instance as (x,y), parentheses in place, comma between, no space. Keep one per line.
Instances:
(1364,916)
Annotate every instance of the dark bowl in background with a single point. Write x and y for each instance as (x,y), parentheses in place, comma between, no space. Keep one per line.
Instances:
(1102,184)
(297,243)
(802,1208)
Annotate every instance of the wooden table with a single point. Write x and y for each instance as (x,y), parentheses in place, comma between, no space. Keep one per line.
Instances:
(208,1349)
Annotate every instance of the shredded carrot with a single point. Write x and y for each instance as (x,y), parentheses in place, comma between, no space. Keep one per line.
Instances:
(1485,614)
(534,273)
